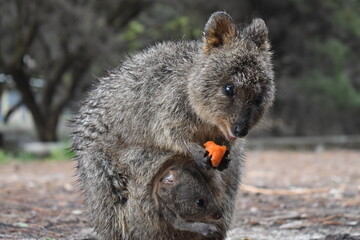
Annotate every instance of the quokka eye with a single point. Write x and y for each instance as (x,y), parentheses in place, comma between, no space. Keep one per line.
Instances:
(229,90)
(200,202)
(259,100)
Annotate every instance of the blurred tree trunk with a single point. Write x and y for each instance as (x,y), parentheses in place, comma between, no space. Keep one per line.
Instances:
(53,35)
(46,115)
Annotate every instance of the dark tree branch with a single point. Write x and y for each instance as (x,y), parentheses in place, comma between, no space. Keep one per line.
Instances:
(125,12)
(12,110)
(45,46)
(77,76)
(53,119)
(24,43)
(53,82)
(2,62)
(22,81)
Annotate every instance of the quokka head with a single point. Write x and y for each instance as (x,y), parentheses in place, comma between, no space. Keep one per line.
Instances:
(232,85)
(185,193)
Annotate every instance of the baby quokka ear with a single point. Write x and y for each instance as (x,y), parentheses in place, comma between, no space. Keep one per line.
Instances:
(169,178)
(258,33)
(219,31)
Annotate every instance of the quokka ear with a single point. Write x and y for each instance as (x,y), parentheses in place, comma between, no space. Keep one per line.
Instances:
(219,30)
(258,33)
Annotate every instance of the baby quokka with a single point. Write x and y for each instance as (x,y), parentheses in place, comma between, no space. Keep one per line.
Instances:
(185,200)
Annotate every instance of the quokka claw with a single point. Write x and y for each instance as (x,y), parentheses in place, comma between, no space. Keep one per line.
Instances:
(224,164)
(205,162)
(206,153)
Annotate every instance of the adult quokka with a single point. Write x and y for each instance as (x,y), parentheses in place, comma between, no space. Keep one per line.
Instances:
(175,96)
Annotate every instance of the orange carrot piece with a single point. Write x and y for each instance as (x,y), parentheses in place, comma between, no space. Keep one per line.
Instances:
(216,152)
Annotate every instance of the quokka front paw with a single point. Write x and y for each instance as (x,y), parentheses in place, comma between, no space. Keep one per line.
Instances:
(204,162)
(224,164)
(201,157)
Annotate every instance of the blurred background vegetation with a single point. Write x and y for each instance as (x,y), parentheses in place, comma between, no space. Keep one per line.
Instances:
(51,51)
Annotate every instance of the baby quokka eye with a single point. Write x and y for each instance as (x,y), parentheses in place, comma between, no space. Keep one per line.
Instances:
(200,202)
(229,90)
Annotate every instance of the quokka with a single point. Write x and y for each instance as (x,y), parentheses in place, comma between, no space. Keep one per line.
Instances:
(175,96)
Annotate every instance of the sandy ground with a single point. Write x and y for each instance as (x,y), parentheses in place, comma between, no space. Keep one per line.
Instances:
(285,195)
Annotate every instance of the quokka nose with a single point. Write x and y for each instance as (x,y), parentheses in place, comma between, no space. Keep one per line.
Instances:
(240,131)
(217,215)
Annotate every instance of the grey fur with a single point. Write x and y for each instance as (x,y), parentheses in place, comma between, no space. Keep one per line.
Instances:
(142,214)
(185,200)
(170,98)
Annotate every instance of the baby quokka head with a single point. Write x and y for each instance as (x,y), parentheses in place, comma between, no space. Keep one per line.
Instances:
(231,85)
(186,194)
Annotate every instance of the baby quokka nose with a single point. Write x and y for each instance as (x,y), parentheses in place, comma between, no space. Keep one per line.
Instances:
(240,131)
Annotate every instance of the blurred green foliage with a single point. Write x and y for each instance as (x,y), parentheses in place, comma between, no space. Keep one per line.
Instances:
(5,157)
(349,17)
(132,33)
(137,33)
(60,154)
(56,154)
(331,87)
(19,156)
(182,26)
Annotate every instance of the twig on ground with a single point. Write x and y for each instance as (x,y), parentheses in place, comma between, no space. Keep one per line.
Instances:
(253,189)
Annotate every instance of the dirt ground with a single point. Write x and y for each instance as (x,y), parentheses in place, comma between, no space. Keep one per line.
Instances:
(285,195)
